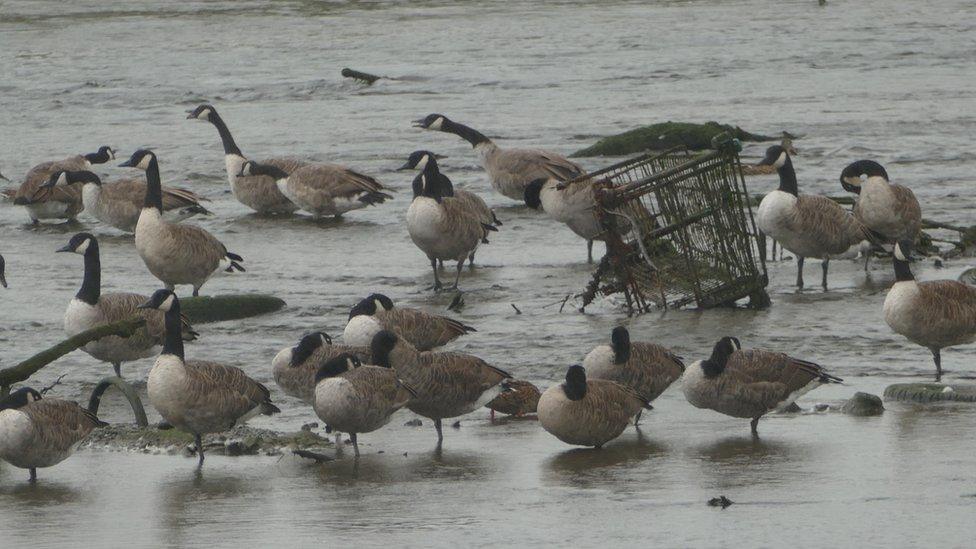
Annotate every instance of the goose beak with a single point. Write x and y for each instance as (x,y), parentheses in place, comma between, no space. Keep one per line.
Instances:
(3,280)
(126,164)
(439,156)
(146,305)
(404,167)
(66,248)
(3,177)
(189,115)
(419,124)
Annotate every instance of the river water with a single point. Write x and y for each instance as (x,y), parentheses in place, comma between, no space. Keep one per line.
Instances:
(874,79)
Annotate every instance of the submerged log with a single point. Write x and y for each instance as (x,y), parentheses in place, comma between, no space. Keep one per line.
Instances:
(930,392)
(863,404)
(666,135)
(363,77)
(204,309)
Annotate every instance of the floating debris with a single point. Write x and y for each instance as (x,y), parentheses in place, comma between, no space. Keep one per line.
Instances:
(413,423)
(720,501)
(363,77)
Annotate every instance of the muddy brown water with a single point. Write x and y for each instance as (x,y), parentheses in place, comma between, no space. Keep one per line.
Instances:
(865,79)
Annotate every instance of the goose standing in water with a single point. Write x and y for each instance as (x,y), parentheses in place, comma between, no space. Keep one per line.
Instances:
(91,308)
(322,189)
(509,170)
(572,203)
(421,329)
(446,384)
(891,212)
(260,193)
(294,368)
(426,161)
(57,203)
(442,226)
(807,225)
(751,383)
(353,398)
(119,203)
(41,432)
(646,368)
(934,314)
(198,396)
(175,254)
(588,412)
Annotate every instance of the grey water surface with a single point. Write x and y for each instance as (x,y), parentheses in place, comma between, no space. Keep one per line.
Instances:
(883,80)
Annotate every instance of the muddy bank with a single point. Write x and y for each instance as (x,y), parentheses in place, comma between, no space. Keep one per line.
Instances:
(241,441)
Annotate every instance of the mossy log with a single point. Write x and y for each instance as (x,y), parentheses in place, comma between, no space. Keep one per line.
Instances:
(930,392)
(666,135)
(204,309)
(27,368)
(363,77)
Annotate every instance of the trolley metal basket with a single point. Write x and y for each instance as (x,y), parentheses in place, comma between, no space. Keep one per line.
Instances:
(680,230)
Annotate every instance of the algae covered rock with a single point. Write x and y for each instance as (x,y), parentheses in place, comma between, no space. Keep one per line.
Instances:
(665,135)
(863,404)
(930,392)
(203,309)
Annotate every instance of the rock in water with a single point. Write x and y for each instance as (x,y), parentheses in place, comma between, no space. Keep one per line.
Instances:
(930,392)
(863,404)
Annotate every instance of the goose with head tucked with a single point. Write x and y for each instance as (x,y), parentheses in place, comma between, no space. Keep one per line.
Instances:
(294,368)
(750,383)
(354,398)
(588,412)
(119,203)
(646,368)
(509,170)
(934,314)
(807,225)
(890,211)
(198,396)
(446,384)
(60,202)
(175,253)
(259,192)
(423,330)
(572,203)
(91,308)
(518,398)
(41,432)
(322,189)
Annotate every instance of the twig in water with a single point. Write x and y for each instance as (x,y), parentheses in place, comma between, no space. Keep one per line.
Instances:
(565,299)
(517,311)
(320,458)
(53,385)
(457,303)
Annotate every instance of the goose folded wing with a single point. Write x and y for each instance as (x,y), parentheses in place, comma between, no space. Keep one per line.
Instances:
(226,390)
(907,209)
(823,219)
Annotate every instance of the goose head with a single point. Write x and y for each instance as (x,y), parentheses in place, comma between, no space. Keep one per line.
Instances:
(252,168)
(337,366)
(850,177)
(103,155)
(433,122)
(776,156)
(620,338)
(19,398)
(80,244)
(382,345)
(575,385)
(65,178)
(903,251)
(308,345)
(419,160)
(723,349)
(205,112)
(161,300)
(141,159)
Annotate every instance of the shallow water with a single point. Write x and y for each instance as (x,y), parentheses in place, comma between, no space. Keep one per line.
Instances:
(858,79)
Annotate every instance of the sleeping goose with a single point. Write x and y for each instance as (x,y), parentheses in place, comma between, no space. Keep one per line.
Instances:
(588,412)
(518,398)
(199,396)
(934,314)
(807,225)
(322,189)
(118,203)
(646,368)
(175,253)
(57,203)
(260,193)
(3,277)
(421,329)
(91,308)
(441,225)
(446,384)
(891,212)
(750,384)
(571,203)
(427,161)
(41,432)
(353,398)
(509,170)
(294,368)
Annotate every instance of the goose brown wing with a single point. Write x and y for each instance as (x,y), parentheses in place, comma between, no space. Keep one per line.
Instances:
(226,390)
(823,219)
(907,209)
(423,330)
(947,308)
(31,191)
(60,423)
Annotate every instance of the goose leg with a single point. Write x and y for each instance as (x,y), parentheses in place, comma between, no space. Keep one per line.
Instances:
(825,265)
(457,277)
(637,418)
(471,262)
(437,280)
(589,251)
(355,443)
(867,257)
(196,291)
(937,356)
(754,424)
(118,369)
(440,434)
(33,474)
(799,272)
(198,440)
(493,416)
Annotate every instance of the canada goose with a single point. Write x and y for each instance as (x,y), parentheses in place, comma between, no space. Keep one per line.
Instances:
(518,398)
(36,432)
(646,368)
(3,277)
(442,226)
(509,170)
(749,384)
(446,384)
(421,329)
(426,161)
(91,308)
(891,212)
(934,314)
(322,189)
(175,254)
(573,204)
(352,398)
(588,412)
(294,368)
(199,396)
(807,225)
(118,203)
(260,193)
(762,169)
(57,203)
